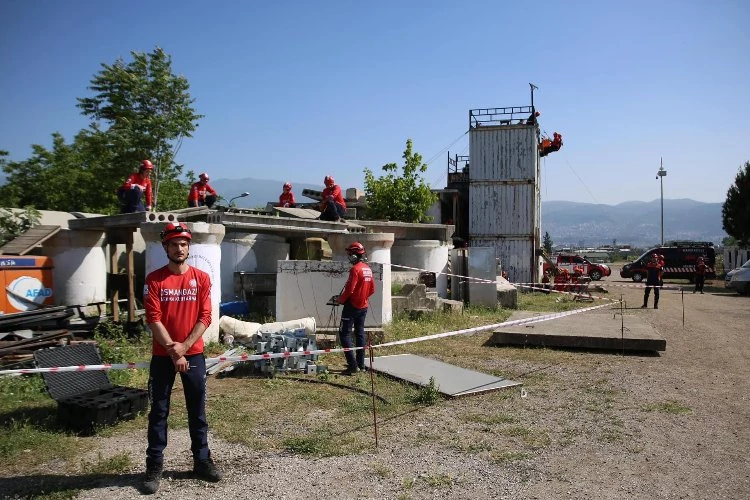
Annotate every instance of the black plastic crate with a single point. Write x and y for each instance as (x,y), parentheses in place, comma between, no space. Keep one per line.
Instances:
(87,399)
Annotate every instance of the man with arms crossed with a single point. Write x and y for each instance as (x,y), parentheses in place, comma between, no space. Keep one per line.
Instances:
(178,310)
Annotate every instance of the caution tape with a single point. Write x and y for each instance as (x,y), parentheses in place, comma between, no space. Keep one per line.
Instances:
(606,284)
(293,354)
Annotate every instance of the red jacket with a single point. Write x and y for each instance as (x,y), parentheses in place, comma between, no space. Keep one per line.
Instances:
(178,301)
(199,191)
(359,286)
(286,199)
(334,191)
(137,179)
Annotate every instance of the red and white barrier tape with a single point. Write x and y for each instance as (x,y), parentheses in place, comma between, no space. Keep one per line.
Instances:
(265,356)
(604,284)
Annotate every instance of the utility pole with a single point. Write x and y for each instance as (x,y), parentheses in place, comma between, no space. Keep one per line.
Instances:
(660,175)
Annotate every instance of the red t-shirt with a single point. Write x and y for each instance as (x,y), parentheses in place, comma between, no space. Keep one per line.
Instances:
(178,301)
(198,191)
(359,286)
(138,179)
(334,191)
(286,199)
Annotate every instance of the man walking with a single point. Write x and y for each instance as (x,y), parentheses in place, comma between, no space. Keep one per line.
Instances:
(178,311)
(653,279)
(358,289)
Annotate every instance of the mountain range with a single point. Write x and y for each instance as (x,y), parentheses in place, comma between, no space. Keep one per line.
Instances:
(569,223)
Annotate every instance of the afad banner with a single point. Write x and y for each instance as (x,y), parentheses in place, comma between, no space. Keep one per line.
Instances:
(27,293)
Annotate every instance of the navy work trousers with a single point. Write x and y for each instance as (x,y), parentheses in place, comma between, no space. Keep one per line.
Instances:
(131,200)
(160,382)
(351,316)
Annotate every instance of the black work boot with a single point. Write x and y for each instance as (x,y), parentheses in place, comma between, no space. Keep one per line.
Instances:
(153,476)
(206,470)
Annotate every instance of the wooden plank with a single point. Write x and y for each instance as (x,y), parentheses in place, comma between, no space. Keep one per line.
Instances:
(25,242)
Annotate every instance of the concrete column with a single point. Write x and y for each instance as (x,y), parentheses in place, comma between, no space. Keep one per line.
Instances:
(427,255)
(248,252)
(79,274)
(205,254)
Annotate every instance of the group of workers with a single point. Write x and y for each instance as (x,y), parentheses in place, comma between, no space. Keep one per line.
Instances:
(136,194)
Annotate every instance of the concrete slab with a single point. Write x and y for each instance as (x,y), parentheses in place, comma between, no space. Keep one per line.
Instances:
(450,380)
(300,213)
(600,329)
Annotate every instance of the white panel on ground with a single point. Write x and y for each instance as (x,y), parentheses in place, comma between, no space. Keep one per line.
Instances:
(482,265)
(449,379)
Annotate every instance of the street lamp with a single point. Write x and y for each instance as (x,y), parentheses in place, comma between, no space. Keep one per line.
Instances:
(238,196)
(660,175)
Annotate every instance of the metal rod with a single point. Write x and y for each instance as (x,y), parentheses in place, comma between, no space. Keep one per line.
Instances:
(372,385)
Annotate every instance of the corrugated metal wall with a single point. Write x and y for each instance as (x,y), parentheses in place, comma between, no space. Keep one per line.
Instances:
(504,196)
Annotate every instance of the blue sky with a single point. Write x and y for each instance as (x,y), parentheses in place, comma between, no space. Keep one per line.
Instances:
(299,90)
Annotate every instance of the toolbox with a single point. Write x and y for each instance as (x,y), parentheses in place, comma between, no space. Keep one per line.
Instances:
(87,400)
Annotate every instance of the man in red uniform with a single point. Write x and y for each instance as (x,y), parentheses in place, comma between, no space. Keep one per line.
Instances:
(177,300)
(653,279)
(136,190)
(333,206)
(287,197)
(700,275)
(201,193)
(358,289)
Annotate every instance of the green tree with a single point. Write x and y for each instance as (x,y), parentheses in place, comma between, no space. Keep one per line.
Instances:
(547,243)
(14,223)
(404,198)
(139,110)
(147,111)
(735,213)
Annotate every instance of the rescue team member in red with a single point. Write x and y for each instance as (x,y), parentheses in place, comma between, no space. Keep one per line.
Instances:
(178,310)
(136,190)
(653,279)
(287,197)
(358,289)
(700,275)
(333,206)
(201,193)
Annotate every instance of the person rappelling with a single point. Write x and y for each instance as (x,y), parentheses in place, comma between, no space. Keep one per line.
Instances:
(548,146)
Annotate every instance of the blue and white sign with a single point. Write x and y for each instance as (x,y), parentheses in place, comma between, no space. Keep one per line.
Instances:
(27,293)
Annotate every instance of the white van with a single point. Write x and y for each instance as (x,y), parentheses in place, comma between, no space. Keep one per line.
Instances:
(739,279)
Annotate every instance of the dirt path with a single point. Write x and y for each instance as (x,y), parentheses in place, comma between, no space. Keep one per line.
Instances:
(593,425)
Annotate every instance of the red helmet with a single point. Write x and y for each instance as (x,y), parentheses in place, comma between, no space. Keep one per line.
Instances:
(203,177)
(355,248)
(287,185)
(328,181)
(172,231)
(147,165)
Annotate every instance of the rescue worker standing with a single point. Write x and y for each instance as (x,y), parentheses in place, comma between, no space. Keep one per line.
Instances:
(178,311)
(700,275)
(653,279)
(358,289)
(136,194)
(333,206)
(286,199)
(201,193)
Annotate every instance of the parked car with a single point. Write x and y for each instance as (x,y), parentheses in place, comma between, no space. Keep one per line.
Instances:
(572,261)
(679,261)
(739,279)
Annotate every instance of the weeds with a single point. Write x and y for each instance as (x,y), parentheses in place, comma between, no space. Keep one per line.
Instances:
(672,407)
(428,394)
(116,464)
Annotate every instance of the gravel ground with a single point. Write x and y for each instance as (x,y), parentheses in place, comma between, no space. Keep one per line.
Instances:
(585,430)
